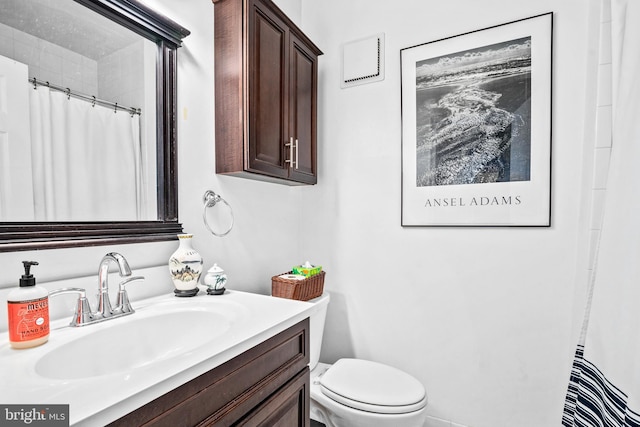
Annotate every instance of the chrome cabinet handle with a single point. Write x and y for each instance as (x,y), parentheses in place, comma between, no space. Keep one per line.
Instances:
(290,145)
(297,153)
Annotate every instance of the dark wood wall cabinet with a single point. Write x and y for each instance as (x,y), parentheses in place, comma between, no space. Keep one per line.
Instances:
(267,385)
(266,73)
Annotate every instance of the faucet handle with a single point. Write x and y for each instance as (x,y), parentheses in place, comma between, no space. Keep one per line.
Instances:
(82,315)
(122,304)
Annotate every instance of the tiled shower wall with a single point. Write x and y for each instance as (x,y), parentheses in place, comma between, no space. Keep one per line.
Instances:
(115,77)
(50,62)
(120,74)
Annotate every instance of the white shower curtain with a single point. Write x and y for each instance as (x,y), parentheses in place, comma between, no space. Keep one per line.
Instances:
(604,389)
(86,160)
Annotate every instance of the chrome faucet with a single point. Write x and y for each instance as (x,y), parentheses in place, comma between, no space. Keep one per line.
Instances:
(84,315)
(104,309)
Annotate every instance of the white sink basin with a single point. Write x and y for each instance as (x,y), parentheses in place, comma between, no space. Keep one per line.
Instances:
(129,343)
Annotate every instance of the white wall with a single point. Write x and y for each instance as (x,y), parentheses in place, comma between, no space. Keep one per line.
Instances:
(482,316)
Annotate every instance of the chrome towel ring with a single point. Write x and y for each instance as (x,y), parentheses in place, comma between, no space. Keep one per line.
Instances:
(210,199)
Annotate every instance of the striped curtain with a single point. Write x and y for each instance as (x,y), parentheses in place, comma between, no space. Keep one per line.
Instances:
(593,400)
(604,387)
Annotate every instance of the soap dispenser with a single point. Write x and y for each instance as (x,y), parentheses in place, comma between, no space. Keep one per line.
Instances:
(28,308)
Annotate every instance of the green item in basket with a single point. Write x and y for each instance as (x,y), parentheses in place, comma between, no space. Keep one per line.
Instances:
(306,269)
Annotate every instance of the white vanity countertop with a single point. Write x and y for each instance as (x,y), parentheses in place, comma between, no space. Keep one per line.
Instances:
(100,399)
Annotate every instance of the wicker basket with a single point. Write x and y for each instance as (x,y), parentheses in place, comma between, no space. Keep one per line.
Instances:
(302,290)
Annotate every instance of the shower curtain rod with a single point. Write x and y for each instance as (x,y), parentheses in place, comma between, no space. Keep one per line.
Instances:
(89,98)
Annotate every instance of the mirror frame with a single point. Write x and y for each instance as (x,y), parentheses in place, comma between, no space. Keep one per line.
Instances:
(168,35)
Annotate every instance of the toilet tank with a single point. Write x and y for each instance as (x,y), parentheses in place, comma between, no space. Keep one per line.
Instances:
(316,327)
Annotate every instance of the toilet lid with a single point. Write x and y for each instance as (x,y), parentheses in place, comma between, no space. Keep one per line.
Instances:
(373,387)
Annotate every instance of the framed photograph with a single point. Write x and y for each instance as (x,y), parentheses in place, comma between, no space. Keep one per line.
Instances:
(476,127)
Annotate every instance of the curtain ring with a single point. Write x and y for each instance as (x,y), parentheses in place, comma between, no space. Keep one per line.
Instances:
(210,199)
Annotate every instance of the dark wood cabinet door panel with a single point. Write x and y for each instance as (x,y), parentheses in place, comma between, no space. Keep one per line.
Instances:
(268,91)
(303,88)
(287,408)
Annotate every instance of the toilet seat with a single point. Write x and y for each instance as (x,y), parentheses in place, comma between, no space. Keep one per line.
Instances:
(372,387)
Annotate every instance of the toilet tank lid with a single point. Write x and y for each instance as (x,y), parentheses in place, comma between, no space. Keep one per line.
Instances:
(355,380)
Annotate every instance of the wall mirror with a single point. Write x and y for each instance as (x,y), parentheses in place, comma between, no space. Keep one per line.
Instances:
(87,123)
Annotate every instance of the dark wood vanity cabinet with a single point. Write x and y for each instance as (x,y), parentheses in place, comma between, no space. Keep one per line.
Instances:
(267,385)
(266,73)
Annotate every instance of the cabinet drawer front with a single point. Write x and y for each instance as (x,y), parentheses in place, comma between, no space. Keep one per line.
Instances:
(225,394)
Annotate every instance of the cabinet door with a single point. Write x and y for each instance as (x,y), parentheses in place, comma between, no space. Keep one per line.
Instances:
(289,407)
(268,91)
(302,110)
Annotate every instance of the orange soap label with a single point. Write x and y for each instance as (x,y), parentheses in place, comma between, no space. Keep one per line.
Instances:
(28,320)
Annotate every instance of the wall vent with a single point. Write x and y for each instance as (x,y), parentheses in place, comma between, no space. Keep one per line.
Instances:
(363,61)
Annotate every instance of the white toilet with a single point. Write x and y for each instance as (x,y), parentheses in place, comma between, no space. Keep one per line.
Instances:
(360,393)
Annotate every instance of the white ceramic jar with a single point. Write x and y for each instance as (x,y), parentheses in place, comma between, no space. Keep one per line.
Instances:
(215,279)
